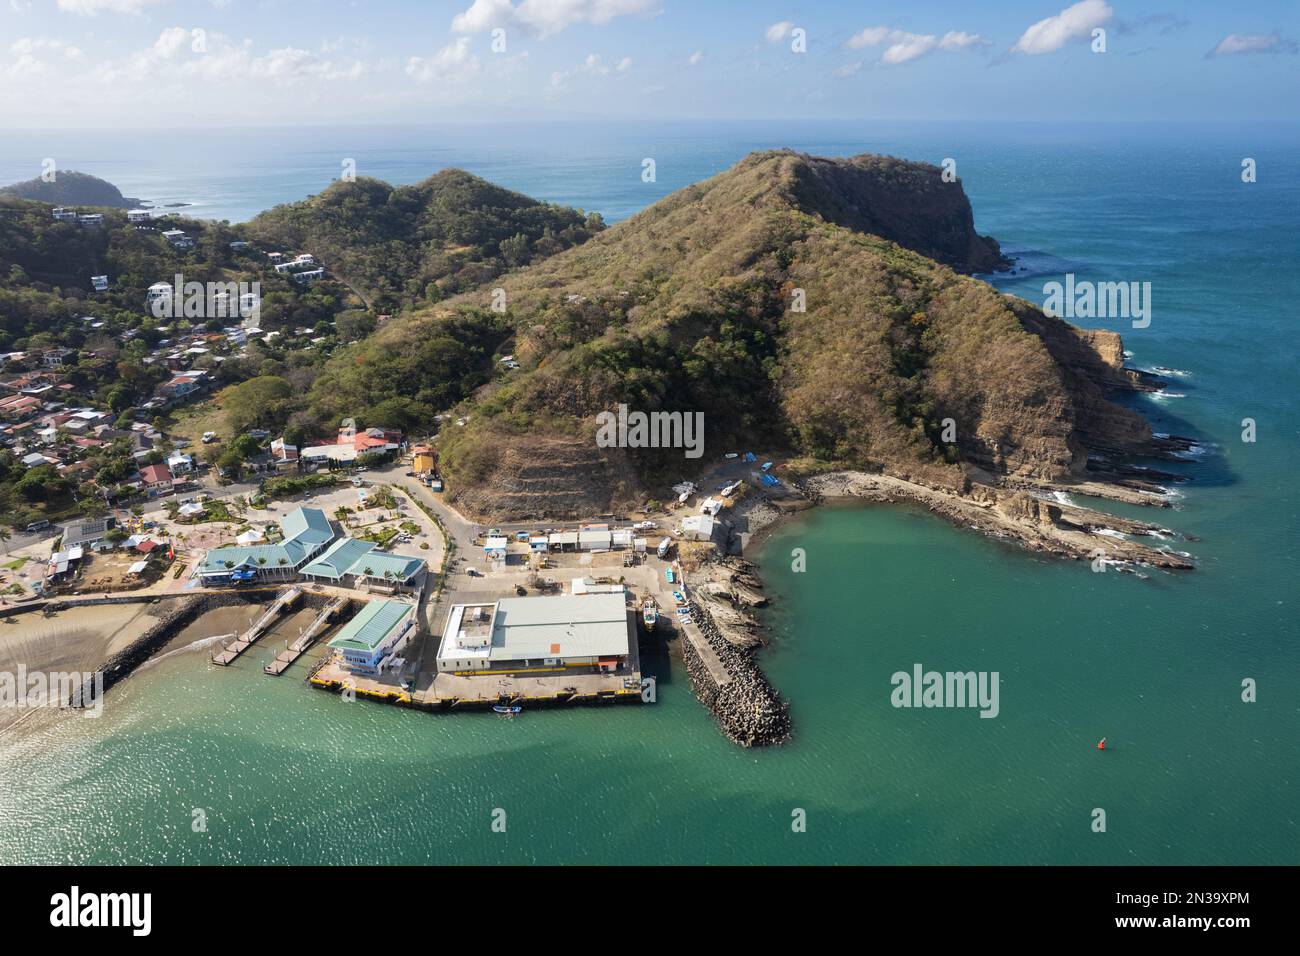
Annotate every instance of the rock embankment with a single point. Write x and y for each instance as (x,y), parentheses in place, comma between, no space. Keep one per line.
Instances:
(172,615)
(747,708)
(729,589)
(1036,523)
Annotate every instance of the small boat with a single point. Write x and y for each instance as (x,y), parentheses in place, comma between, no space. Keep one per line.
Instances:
(508,709)
(679,597)
(664,545)
(668,575)
(649,613)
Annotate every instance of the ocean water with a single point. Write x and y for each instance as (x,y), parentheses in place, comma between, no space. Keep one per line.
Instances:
(1191,773)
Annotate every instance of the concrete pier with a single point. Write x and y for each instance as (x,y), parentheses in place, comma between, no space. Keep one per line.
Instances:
(286,658)
(246,640)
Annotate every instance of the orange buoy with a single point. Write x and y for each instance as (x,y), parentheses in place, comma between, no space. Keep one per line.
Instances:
(1101,744)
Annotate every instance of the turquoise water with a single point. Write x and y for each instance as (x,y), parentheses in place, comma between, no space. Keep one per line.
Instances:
(1191,774)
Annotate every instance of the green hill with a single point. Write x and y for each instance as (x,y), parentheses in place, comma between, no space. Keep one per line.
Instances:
(421,243)
(691,306)
(71,189)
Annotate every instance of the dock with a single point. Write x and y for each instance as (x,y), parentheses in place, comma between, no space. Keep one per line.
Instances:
(246,640)
(286,658)
(708,656)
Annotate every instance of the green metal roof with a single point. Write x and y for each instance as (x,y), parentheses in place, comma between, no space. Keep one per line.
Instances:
(253,556)
(378,562)
(305,530)
(340,558)
(307,525)
(372,624)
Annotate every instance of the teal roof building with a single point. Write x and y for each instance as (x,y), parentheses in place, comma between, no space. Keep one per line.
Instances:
(306,533)
(378,631)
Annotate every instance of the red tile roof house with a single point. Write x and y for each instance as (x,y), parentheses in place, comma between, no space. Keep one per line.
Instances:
(375,439)
(156,478)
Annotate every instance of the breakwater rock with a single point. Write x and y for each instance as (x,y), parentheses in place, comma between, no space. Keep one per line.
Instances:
(747,708)
(172,615)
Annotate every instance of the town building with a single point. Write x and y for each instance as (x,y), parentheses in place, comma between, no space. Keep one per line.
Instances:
(591,632)
(350,443)
(158,291)
(351,562)
(307,532)
(178,239)
(424,460)
(86,533)
(156,478)
(285,454)
(180,463)
(369,642)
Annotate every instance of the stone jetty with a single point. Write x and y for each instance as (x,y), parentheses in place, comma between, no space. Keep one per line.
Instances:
(747,708)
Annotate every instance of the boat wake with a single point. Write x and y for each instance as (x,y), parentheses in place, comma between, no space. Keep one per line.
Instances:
(198,645)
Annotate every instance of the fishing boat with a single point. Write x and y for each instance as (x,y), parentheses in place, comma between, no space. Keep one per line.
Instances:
(664,545)
(649,613)
(508,709)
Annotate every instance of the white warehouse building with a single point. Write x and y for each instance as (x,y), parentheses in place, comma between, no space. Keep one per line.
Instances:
(587,631)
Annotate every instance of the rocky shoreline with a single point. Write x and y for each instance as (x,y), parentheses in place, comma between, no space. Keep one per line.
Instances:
(1030,519)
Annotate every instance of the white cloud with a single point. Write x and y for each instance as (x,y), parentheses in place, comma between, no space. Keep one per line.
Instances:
(451,62)
(848,69)
(545,17)
(958,40)
(593,65)
(696,58)
(904,46)
(1235,43)
(483,15)
(1072,23)
(778,31)
(870,36)
(26,46)
(170,42)
(290,62)
(25,66)
(90,8)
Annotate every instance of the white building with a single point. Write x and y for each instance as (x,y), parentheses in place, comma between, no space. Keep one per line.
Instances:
(588,632)
(99,283)
(138,216)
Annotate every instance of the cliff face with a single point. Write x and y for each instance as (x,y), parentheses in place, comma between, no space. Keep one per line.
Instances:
(906,202)
(801,304)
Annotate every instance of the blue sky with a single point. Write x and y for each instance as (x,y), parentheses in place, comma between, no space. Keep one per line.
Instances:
(149,63)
